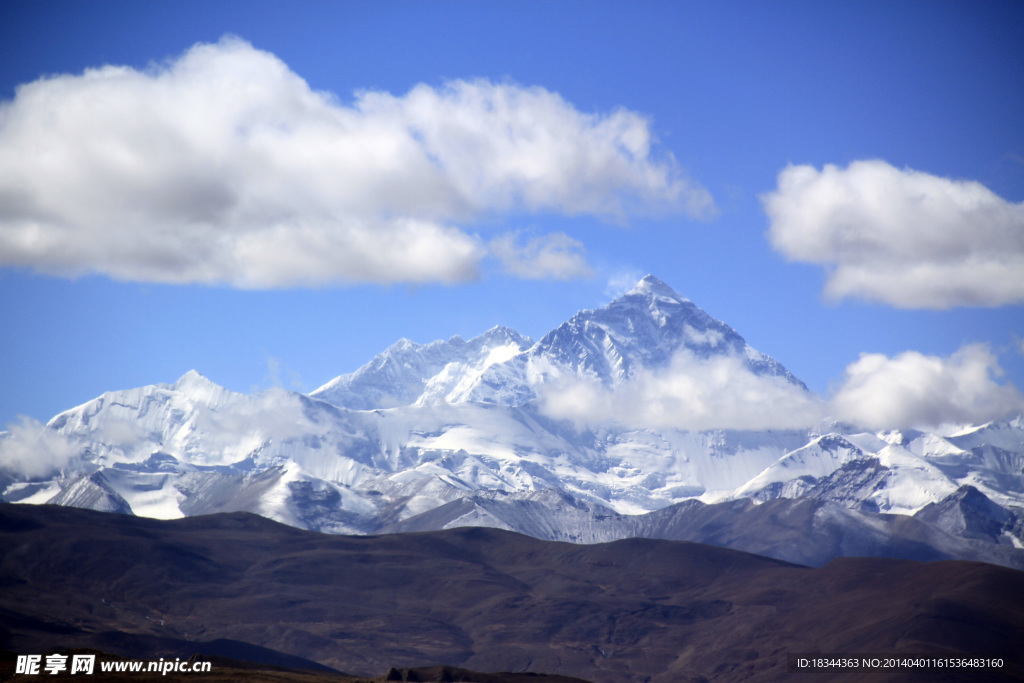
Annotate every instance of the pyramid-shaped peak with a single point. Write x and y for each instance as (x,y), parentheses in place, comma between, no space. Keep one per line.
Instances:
(652,286)
(646,328)
(500,330)
(192,378)
(199,387)
(501,333)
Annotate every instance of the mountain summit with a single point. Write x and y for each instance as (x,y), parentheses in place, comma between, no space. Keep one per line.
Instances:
(651,285)
(643,328)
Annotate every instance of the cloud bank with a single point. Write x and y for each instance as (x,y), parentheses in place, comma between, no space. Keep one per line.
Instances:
(691,394)
(901,237)
(910,390)
(224,166)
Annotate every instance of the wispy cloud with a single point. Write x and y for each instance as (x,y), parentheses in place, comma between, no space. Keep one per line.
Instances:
(223,166)
(30,449)
(556,256)
(621,280)
(273,377)
(901,237)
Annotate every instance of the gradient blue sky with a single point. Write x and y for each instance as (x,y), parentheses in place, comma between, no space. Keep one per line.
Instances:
(734,91)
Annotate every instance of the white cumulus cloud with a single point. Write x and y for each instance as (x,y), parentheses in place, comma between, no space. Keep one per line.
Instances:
(915,390)
(224,166)
(902,237)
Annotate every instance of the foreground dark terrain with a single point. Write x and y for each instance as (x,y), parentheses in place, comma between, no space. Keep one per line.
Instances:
(242,587)
(223,669)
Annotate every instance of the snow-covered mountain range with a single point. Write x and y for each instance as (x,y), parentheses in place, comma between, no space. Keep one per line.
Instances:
(458,432)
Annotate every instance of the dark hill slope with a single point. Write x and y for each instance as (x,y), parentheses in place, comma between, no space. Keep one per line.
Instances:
(476,598)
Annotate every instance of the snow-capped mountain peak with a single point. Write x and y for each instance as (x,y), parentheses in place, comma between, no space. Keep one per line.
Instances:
(408,373)
(196,387)
(645,328)
(650,286)
(421,426)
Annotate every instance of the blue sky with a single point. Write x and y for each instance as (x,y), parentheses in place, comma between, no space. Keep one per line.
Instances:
(876,108)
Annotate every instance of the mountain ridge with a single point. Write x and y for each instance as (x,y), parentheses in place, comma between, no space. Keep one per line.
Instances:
(422,426)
